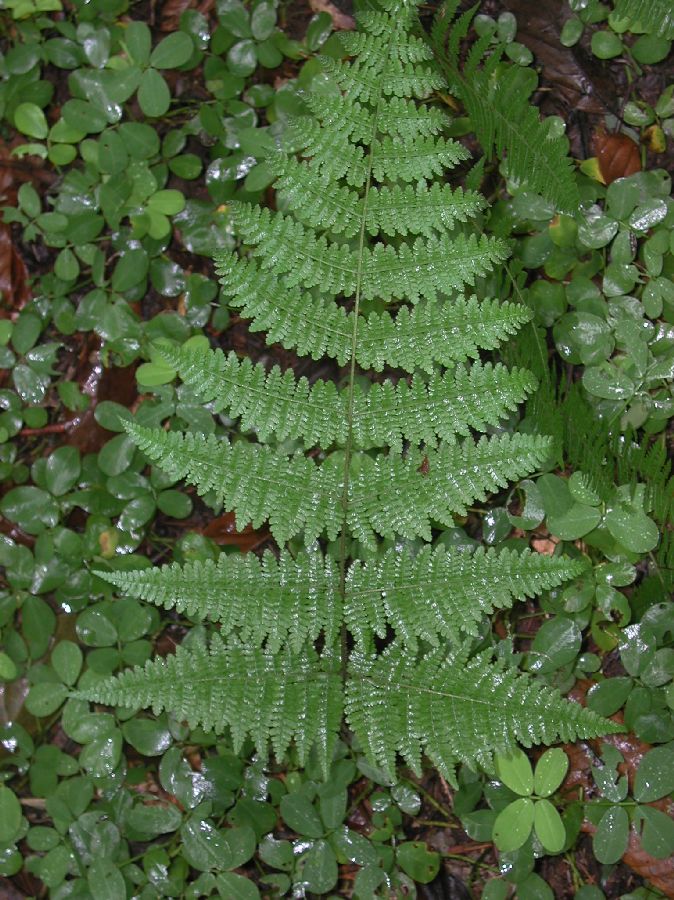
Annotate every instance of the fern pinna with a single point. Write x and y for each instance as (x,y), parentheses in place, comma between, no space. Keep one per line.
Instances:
(383,641)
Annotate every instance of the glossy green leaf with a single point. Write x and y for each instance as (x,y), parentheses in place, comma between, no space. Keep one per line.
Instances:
(236,887)
(515,772)
(549,826)
(168,202)
(557,642)
(172,51)
(62,470)
(550,770)
(418,861)
(300,814)
(513,824)
(630,526)
(154,95)
(105,880)
(242,58)
(31,121)
(148,736)
(66,660)
(10,815)
(44,699)
(655,775)
(608,382)
(610,839)
(657,835)
(606,44)
(154,820)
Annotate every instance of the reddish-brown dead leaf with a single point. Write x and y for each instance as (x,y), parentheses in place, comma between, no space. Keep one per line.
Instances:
(14,290)
(340,20)
(117,384)
(617,154)
(223,531)
(172,10)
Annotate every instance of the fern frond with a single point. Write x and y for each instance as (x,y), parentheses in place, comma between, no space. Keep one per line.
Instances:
(363,173)
(364,80)
(314,326)
(389,496)
(412,271)
(415,339)
(266,600)
(411,160)
(504,121)
(297,697)
(407,47)
(274,403)
(654,16)
(393,496)
(455,709)
(437,333)
(291,601)
(390,210)
(421,210)
(403,119)
(444,592)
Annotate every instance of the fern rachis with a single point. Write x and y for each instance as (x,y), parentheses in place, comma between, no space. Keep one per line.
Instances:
(392,462)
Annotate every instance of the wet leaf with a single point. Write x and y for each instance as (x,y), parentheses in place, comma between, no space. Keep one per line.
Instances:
(655,775)
(549,826)
(612,835)
(618,156)
(515,772)
(513,824)
(418,861)
(550,771)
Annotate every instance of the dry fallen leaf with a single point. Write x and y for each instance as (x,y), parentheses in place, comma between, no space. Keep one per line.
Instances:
(617,154)
(14,290)
(172,10)
(223,531)
(340,20)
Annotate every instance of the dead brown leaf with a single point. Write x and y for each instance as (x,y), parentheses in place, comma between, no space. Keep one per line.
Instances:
(172,10)
(14,290)
(341,21)
(617,154)
(223,531)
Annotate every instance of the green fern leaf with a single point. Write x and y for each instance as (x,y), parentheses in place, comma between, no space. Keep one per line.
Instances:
(418,338)
(364,80)
(441,592)
(284,601)
(365,172)
(390,495)
(296,696)
(654,16)
(434,333)
(390,210)
(274,403)
(409,272)
(444,704)
(504,121)
(292,601)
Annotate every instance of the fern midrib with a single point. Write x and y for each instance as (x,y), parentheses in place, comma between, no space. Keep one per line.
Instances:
(348,448)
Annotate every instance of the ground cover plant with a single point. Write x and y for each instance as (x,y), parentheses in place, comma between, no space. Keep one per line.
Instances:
(176,139)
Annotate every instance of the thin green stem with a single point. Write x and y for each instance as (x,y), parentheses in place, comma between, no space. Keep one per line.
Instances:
(348,448)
